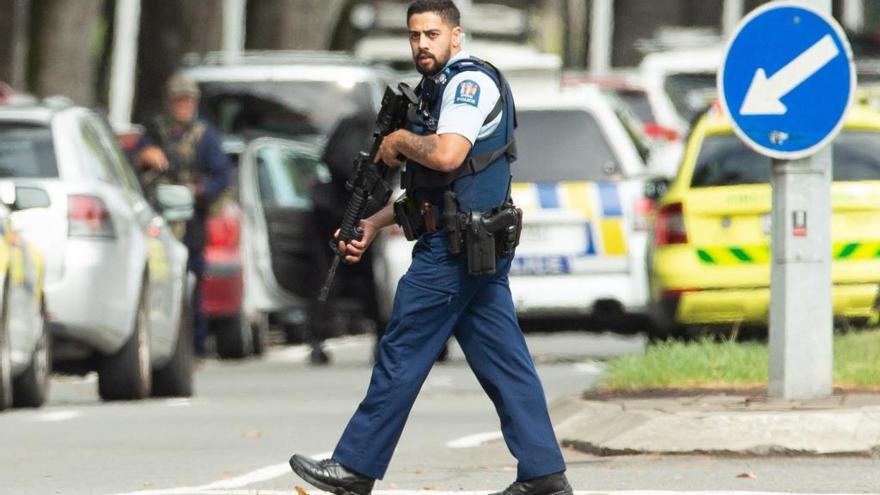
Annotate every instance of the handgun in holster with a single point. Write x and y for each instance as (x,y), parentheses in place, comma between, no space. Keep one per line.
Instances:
(483,237)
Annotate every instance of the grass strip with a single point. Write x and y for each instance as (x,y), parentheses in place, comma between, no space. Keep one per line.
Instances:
(706,363)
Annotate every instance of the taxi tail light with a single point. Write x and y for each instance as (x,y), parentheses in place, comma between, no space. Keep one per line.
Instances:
(223,231)
(87,216)
(643,213)
(669,227)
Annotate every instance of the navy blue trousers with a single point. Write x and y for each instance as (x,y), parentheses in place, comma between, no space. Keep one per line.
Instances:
(436,299)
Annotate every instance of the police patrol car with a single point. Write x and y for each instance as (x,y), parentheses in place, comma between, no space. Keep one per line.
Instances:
(710,255)
(579,180)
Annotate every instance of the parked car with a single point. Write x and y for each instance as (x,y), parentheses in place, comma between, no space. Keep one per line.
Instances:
(710,252)
(579,180)
(116,288)
(280,244)
(24,334)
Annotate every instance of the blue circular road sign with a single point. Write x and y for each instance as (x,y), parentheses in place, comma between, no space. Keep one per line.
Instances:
(787,80)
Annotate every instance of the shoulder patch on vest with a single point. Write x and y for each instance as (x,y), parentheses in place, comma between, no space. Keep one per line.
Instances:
(468,92)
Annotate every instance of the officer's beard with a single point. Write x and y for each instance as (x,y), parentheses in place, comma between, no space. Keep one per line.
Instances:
(437,66)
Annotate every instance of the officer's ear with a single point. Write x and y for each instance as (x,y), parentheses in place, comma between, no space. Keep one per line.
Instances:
(456,36)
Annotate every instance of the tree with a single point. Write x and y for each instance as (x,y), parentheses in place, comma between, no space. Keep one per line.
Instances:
(64,53)
(169,30)
(292,24)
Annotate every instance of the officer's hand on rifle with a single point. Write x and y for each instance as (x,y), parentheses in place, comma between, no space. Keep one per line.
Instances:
(389,152)
(356,248)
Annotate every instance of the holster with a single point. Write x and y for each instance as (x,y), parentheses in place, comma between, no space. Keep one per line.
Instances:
(409,217)
(483,237)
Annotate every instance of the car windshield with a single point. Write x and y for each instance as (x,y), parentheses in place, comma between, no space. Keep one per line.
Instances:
(691,93)
(286,178)
(290,108)
(562,145)
(26,150)
(727,161)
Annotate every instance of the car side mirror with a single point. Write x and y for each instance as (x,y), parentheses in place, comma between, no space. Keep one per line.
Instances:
(655,188)
(27,197)
(176,202)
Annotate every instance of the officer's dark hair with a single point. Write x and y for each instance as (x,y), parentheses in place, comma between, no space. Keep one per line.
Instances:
(446,9)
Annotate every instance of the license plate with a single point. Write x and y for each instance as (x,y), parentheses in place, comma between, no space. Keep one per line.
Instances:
(540,265)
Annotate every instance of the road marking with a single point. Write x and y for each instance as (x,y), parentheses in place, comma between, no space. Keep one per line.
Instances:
(475,440)
(223,487)
(54,416)
(178,402)
(312,491)
(589,368)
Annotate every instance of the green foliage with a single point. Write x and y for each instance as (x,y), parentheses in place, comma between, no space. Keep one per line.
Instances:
(707,363)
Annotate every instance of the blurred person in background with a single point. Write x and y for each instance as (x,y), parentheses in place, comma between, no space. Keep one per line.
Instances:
(178,147)
(351,135)
(463,151)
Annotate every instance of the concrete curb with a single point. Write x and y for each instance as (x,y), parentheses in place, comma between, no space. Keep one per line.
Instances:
(721,425)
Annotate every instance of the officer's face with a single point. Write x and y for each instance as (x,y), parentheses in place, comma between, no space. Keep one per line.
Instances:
(433,42)
(183,108)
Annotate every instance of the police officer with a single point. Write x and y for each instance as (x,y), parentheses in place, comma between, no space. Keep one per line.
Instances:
(181,148)
(469,152)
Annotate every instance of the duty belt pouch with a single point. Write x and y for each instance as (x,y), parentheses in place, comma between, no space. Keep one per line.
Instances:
(408,216)
(479,244)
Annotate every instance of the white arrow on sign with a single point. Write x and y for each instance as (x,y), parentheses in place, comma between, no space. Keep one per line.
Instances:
(764,93)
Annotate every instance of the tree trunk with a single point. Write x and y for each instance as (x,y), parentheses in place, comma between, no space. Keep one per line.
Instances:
(169,30)
(292,24)
(64,53)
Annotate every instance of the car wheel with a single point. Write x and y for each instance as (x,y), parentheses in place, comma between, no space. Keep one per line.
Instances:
(5,363)
(126,375)
(260,330)
(175,379)
(32,387)
(234,337)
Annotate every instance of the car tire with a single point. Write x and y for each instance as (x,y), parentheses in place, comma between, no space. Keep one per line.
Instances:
(175,379)
(260,337)
(5,361)
(126,374)
(234,337)
(31,388)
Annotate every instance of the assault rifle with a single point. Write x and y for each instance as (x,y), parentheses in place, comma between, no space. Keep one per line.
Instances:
(368,183)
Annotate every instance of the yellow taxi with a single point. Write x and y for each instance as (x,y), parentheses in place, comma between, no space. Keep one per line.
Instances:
(709,256)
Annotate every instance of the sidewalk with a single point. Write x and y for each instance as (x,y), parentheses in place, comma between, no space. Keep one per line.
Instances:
(722,424)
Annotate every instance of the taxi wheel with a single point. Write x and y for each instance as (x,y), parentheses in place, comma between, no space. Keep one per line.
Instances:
(175,379)
(126,375)
(32,387)
(5,363)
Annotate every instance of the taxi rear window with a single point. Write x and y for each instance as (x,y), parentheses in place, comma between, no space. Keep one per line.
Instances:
(26,151)
(562,145)
(727,161)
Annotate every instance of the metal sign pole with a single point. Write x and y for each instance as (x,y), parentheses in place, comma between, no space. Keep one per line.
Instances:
(800,290)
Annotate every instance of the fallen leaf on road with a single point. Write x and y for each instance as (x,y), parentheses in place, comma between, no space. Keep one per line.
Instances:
(148,484)
(748,476)
(254,434)
(431,487)
(300,490)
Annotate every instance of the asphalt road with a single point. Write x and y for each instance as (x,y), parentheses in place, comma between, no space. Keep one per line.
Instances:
(248,418)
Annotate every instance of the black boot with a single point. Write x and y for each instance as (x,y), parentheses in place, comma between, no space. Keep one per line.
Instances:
(319,356)
(330,476)
(552,484)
